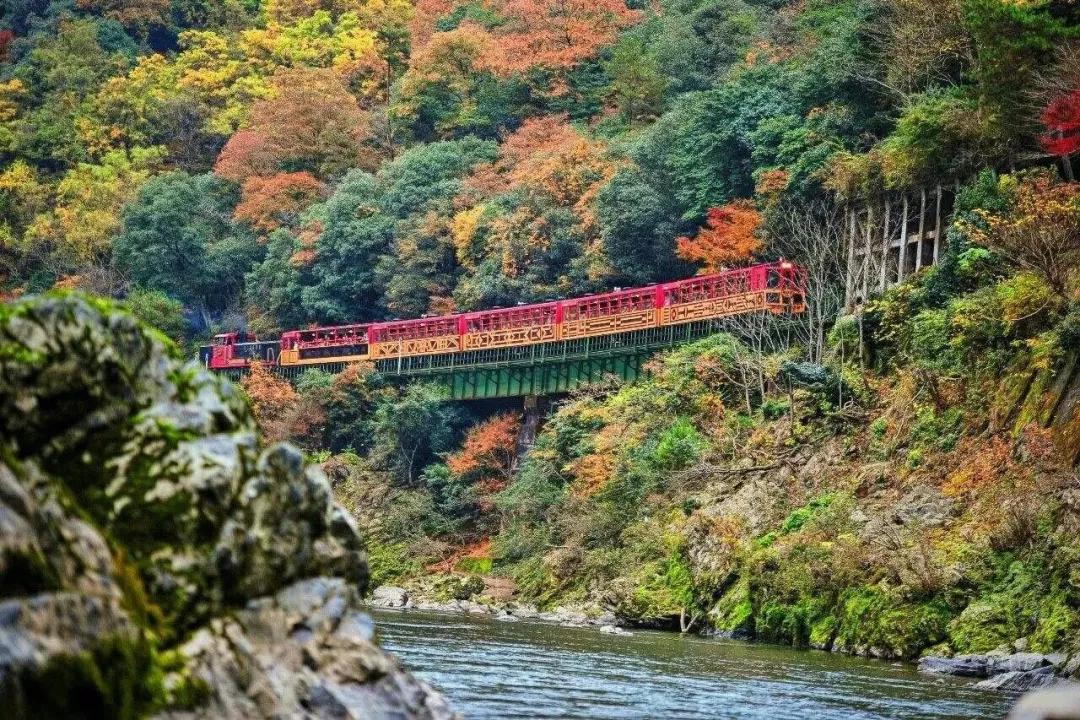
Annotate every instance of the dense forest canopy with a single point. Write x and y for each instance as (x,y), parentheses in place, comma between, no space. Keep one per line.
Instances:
(283,162)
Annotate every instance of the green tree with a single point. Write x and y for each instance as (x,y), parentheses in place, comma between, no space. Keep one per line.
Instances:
(58,75)
(355,235)
(637,226)
(1012,41)
(179,238)
(637,85)
(273,290)
(158,310)
(413,428)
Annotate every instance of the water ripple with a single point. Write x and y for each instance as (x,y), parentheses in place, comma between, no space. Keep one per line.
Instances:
(524,670)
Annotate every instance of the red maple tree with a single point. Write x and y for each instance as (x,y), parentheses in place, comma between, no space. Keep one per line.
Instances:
(728,238)
(1062,120)
(488,451)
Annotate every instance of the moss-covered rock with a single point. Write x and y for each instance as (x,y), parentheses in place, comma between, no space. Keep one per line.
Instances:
(153,556)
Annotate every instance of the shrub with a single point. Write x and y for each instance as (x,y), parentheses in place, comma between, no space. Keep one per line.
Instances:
(929,347)
(678,447)
(158,310)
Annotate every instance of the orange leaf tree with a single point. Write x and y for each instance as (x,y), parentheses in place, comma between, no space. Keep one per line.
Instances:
(488,451)
(728,238)
(1041,229)
(312,123)
(269,203)
(280,411)
(558,34)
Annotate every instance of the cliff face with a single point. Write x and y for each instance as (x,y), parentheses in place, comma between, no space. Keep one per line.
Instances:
(155,559)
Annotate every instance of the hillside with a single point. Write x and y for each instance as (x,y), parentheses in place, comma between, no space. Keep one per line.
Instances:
(276,163)
(926,503)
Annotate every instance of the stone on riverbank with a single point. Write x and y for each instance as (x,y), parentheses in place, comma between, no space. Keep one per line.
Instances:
(389,596)
(154,560)
(963,665)
(1020,671)
(1020,680)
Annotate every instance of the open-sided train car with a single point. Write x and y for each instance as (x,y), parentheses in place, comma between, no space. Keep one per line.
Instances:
(776,287)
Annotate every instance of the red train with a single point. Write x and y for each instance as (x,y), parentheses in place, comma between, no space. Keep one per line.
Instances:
(777,287)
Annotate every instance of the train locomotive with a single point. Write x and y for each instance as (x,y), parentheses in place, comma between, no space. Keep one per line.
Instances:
(776,287)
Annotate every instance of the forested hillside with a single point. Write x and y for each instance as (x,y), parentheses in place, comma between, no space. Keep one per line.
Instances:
(881,484)
(294,161)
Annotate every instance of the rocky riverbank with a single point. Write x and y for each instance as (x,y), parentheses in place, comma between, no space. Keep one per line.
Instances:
(399,598)
(155,559)
(1008,670)
(1002,670)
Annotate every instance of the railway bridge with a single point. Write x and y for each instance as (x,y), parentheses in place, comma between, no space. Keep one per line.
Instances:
(533,350)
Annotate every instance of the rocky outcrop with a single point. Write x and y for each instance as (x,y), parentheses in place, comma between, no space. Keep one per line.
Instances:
(153,557)
(1016,672)
(389,596)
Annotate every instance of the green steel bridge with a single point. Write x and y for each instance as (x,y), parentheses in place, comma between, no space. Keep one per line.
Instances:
(531,370)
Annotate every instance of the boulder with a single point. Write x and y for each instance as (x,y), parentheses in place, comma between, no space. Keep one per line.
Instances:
(389,596)
(1019,680)
(155,559)
(1020,662)
(963,665)
(305,647)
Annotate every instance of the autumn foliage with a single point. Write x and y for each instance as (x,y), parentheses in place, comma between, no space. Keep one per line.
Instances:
(313,122)
(1006,481)
(281,412)
(269,203)
(1062,121)
(488,451)
(1041,229)
(558,34)
(728,238)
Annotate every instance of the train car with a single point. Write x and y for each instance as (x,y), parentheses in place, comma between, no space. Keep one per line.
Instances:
(424,336)
(237,350)
(340,343)
(507,327)
(614,312)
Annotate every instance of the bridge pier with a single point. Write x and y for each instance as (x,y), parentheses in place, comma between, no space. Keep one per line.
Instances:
(530,426)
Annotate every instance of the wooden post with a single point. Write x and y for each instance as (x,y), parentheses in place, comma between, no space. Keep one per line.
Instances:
(884,249)
(866,253)
(901,268)
(922,229)
(937,226)
(849,286)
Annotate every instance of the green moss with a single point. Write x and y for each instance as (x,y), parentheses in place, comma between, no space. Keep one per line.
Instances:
(474,566)
(388,562)
(734,612)
(823,632)
(113,680)
(873,618)
(807,620)
(983,626)
(1057,625)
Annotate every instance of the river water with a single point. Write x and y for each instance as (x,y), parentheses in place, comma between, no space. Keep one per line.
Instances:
(494,669)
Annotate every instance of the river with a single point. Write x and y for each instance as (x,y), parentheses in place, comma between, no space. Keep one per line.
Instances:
(494,669)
